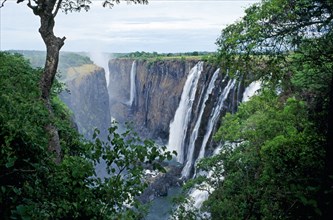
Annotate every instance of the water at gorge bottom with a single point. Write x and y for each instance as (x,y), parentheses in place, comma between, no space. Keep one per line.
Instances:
(161,207)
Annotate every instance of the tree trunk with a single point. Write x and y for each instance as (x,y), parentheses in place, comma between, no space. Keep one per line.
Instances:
(328,174)
(53,46)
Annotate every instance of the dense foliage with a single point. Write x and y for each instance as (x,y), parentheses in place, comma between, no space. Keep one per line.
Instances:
(274,171)
(32,186)
(46,11)
(276,156)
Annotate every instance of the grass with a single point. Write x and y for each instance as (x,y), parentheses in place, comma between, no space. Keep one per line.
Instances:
(80,71)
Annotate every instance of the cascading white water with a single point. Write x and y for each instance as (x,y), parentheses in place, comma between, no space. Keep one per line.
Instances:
(178,127)
(102,60)
(251,90)
(212,121)
(195,132)
(198,195)
(133,85)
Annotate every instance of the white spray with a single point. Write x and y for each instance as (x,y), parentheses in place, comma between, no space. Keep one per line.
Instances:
(200,195)
(251,90)
(102,60)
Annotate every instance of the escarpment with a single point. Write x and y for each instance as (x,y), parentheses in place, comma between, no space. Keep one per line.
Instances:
(88,99)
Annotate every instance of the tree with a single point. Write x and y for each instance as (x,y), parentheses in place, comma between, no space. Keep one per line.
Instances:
(280,40)
(47,11)
(32,186)
(270,164)
(276,161)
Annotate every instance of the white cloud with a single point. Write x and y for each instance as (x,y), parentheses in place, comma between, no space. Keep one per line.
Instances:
(162,25)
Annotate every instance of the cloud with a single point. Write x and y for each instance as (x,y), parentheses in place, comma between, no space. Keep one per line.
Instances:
(162,26)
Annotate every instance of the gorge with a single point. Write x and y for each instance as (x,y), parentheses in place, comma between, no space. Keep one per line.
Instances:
(176,102)
(170,134)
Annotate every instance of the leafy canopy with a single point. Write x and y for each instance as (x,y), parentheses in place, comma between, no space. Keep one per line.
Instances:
(274,171)
(32,186)
(275,157)
(272,29)
(71,5)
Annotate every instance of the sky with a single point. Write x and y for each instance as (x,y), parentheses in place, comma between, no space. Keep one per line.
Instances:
(163,26)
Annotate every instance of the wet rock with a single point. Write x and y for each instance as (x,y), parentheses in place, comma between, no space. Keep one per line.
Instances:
(88,99)
(159,183)
(151,111)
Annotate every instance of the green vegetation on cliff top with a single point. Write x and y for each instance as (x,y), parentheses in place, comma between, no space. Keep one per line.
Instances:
(77,72)
(66,59)
(154,56)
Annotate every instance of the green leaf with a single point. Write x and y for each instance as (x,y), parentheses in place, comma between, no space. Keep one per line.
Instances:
(11,162)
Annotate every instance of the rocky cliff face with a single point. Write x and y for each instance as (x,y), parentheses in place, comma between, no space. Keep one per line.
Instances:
(148,93)
(158,90)
(159,85)
(88,99)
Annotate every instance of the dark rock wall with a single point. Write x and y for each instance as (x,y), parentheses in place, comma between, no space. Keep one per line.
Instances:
(88,99)
(159,85)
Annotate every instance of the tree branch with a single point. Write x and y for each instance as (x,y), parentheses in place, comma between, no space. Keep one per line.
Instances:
(57,8)
(34,8)
(3,3)
(111,3)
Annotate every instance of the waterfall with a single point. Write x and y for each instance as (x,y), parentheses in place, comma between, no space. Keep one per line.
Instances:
(211,123)
(102,60)
(132,86)
(251,90)
(179,125)
(195,132)
(200,195)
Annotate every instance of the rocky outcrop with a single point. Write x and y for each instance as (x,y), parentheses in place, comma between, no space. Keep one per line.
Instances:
(88,99)
(159,183)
